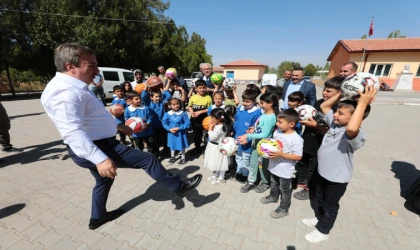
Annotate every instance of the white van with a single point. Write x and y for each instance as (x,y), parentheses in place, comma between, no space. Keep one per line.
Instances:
(269,79)
(112,77)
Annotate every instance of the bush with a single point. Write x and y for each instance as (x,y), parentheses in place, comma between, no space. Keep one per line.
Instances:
(24,81)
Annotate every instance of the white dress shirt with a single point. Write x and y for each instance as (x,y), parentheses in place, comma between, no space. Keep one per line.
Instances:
(78,115)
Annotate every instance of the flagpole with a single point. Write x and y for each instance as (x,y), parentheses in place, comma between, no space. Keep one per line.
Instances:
(362,63)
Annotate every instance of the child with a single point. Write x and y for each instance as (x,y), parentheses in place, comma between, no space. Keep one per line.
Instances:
(335,158)
(174,87)
(282,163)
(312,139)
(263,128)
(119,99)
(155,100)
(231,98)
(218,98)
(275,90)
(253,87)
(176,122)
(126,86)
(197,107)
(231,112)
(296,99)
(220,126)
(246,115)
(138,109)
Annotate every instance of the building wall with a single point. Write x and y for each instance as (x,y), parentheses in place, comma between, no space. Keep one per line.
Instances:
(340,58)
(249,73)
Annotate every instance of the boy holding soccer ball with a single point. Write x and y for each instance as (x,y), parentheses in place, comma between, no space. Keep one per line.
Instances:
(335,158)
(119,99)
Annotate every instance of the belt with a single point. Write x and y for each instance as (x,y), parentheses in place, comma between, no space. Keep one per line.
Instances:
(106,141)
(215,143)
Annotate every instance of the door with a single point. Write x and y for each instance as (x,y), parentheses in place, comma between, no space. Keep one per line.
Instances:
(230,74)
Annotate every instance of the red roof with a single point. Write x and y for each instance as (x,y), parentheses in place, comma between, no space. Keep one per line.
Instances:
(217,69)
(379,45)
(243,63)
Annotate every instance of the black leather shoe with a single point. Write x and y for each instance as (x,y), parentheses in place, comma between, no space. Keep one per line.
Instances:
(109,216)
(188,185)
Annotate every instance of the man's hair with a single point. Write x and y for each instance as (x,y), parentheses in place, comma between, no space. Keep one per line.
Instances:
(299,69)
(199,83)
(116,87)
(351,106)
(204,64)
(253,87)
(131,94)
(334,82)
(296,96)
(161,67)
(250,94)
(287,71)
(70,53)
(290,115)
(353,66)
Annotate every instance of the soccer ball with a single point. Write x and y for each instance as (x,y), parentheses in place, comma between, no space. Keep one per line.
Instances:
(359,81)
(206,123)
(154,83)
(216,78)
(171,73)
(117,110)
(267,146)
(228,146)
(136,124)
(229,82)
(306,111)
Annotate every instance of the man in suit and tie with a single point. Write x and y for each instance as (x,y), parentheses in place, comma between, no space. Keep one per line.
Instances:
(207,71)
(298,83)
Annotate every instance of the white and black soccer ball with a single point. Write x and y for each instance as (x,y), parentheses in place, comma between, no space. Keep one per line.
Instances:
(229,83)
(228,146)
(306,111)
(359,81)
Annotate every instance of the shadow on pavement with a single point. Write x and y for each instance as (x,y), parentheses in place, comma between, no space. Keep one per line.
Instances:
(35,153)
(407,174)
(157,192)
(18,116)
(7,211)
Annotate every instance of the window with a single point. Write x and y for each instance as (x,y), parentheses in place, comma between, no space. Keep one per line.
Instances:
(111,76)
(380,69)
(128,76)
(230,74)
(418,72)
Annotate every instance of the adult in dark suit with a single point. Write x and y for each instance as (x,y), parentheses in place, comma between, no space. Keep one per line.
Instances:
(299,84)
(207,71)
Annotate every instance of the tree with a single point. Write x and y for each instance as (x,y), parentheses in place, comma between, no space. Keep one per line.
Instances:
(287,65)
(396,34)
(364,36)
(310,70)
(327,66)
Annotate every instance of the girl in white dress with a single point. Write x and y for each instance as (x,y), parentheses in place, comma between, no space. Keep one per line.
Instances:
(220,126)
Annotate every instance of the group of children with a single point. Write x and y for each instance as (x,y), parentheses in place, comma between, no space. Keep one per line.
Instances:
(321,154)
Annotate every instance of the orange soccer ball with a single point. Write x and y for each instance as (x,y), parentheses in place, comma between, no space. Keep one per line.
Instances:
(206,122)
(117,110)
(154,83)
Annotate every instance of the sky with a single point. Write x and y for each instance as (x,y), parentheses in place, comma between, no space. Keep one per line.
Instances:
(306,31)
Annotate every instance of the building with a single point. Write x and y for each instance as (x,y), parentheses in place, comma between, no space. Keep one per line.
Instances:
(385,58)
(218,69)
(244,70)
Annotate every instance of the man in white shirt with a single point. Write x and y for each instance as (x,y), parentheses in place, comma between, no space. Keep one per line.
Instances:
(89,130)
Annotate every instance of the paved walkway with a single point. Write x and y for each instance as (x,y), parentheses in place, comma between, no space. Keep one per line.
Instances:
(45,198)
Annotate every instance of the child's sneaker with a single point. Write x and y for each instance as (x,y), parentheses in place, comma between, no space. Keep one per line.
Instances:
(316,236)
(310,221)
(262,188)
(218,181)
(248,187)
(269,199)
(181,162)
(211,178)
(302,194)
(277,214)
(172,160)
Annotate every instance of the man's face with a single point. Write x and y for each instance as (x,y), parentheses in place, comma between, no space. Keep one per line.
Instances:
(327,93)
(87,69)
(297,76)
(206,70)
(346,70)
(287,75)
(162,70)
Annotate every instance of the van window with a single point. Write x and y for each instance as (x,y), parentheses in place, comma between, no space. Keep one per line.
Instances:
(111,76)
(128,76)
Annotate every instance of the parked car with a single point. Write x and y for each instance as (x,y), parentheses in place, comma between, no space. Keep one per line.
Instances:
(189,82)
(269,79)
(112,77)
(196,75)
(307,78)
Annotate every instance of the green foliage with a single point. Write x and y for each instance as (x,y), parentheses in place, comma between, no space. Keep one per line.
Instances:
(364,36)
(30,38)
(327,66)
(310,70)
(396,34)
(287,65)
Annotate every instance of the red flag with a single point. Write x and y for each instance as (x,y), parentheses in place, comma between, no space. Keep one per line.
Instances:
(371,28)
